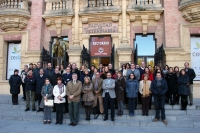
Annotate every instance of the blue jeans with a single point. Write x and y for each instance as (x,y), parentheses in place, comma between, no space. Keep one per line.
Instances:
(159,106)
(131,105)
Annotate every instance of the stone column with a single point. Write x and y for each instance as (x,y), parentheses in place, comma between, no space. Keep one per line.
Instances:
(74,50)
(124,50)
(76,41)
(124,40)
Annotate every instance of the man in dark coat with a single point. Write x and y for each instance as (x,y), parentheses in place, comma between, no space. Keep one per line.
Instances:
(190,72)
(15,82)
(30,90)
(56,74)
(40,81)
(36,71)
(159,88)
(171,78)
(66,78)
(49,71)
(75,70)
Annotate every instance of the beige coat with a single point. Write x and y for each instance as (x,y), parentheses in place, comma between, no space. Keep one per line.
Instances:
(142,86)
(74,89)
(99,87)
(88,92)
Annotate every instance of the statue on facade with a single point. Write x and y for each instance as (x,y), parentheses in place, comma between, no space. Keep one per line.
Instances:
(58,48)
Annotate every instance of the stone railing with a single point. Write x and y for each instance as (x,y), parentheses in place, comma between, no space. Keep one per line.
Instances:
(9,4)
(58,7)
(98,3)
(14,14)
(142,5)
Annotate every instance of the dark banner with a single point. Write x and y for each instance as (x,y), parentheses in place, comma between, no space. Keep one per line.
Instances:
(100,46)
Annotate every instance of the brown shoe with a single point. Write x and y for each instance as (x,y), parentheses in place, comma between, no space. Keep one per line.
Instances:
(45,122)
(155,120)
(165,122)
(49,122)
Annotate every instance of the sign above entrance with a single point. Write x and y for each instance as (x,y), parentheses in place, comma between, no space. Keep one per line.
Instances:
(100,46)
(100,28)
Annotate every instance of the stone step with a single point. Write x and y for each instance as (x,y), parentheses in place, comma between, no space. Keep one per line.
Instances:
(125,112)
(134,122)
(139,106)
(137,117)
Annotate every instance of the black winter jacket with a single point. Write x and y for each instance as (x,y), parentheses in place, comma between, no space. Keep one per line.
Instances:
(15,82)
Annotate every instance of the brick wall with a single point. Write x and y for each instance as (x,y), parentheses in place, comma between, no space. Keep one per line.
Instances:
(172,19)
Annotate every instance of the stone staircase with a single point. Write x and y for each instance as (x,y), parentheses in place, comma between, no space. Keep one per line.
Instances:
(175,117)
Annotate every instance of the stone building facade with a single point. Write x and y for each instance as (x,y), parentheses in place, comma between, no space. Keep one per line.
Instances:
(34,23)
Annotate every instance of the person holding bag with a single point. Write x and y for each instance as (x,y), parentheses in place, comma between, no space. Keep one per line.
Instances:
(88,96)
(145,91)
(59,92)
(46,93)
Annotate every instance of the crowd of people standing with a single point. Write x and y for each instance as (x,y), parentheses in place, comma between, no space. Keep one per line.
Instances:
(102,88)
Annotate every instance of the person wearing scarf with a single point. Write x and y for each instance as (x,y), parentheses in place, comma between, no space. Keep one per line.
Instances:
(144,89)
(46,93)
(59,92)
(159,89)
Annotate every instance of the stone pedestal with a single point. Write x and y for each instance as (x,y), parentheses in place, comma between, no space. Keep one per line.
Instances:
(124,55)
(74,53)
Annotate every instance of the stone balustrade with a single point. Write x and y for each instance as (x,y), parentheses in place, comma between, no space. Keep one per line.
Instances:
(98,3)
(14,14)
(58,7)
(9,4)
(143,5)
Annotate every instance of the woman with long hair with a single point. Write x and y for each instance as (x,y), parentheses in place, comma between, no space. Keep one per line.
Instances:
(119,88)
(145,85)
(183,88)
(88,96)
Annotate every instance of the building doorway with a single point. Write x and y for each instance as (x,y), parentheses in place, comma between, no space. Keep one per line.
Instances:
(145,47)
(100,50)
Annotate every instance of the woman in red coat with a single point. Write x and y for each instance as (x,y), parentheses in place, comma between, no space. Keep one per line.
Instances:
(147,72)
(151,78)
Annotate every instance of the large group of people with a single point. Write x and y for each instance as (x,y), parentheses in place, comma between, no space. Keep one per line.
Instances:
(102,88)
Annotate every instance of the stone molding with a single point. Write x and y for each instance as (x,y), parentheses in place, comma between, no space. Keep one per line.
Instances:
(190,10)
(144,17)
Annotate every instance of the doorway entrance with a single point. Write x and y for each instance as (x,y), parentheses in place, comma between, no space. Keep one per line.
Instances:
(145,47)
(95,61)
(100,50)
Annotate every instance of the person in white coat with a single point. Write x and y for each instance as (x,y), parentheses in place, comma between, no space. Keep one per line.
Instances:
(59,92)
